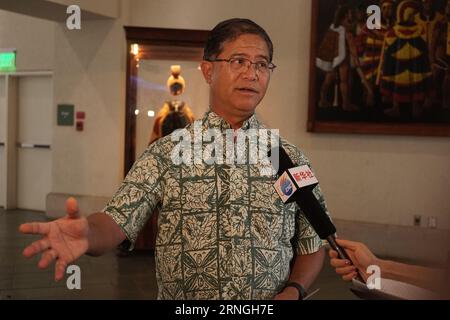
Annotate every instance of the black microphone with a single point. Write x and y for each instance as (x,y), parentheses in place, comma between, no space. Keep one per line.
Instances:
(304,197)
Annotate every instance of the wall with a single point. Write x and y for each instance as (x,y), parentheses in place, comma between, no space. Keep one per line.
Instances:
(107,8)
(24,33)
(56,10)
(90,73)
(382,179)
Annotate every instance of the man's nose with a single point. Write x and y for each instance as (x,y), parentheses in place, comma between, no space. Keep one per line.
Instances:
(251,73)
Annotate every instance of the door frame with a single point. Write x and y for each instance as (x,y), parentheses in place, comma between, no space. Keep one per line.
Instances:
(158,44)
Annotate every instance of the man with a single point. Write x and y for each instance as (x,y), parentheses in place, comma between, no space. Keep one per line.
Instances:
(223,232)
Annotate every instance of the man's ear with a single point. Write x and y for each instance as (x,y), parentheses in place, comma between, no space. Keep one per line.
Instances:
(207,69)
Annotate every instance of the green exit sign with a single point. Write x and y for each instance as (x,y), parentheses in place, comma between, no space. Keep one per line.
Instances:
(7,61)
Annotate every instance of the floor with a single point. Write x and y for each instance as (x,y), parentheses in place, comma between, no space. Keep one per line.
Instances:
(106,277)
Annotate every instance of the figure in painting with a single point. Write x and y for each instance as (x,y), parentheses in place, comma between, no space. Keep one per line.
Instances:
(406,72)
(334,59)
(371,60)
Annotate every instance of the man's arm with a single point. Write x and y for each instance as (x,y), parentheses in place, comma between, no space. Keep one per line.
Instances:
(305,270)
(104,234)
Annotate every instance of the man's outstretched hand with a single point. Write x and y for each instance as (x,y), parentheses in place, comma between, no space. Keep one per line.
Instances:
(63,240)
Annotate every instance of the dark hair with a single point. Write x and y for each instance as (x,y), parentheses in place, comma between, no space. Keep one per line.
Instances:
(229,30)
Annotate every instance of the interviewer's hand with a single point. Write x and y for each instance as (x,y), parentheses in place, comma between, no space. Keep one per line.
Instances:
(63,240)
(360,255)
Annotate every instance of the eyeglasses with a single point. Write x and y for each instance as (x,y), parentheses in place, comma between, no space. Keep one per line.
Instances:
(241,65)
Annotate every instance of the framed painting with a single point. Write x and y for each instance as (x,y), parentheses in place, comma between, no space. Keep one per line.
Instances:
(380,67)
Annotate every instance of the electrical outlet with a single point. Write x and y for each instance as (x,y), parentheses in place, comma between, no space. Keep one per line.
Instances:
(432,222)
(417,220)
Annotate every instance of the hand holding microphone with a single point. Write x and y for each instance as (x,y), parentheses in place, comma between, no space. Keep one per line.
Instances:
(359,254)
(296,184)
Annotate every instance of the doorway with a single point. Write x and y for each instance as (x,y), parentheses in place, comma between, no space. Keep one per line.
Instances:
(150,53)
(26,126)
(34,135)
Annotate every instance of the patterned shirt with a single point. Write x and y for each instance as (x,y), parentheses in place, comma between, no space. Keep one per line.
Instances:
(223,232)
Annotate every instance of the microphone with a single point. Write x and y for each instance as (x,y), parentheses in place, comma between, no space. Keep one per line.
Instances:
(296,184)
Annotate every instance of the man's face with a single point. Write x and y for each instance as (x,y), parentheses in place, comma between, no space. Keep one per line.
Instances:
(238,93)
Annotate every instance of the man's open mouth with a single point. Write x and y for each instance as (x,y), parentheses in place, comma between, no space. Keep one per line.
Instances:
(245,89)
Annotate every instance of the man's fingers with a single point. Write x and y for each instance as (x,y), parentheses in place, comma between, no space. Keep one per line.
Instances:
(35,228)
(36,247)
(47,258)
(60,269)
(72,207)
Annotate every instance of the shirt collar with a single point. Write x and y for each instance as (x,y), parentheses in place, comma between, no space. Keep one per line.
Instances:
(213,120)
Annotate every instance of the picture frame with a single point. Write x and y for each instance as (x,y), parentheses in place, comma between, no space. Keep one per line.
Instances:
(340,104)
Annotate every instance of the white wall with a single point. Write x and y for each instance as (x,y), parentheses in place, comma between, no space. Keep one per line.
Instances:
(90,73)
(89,67)
(32,37)
(381,179)
(109,8)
